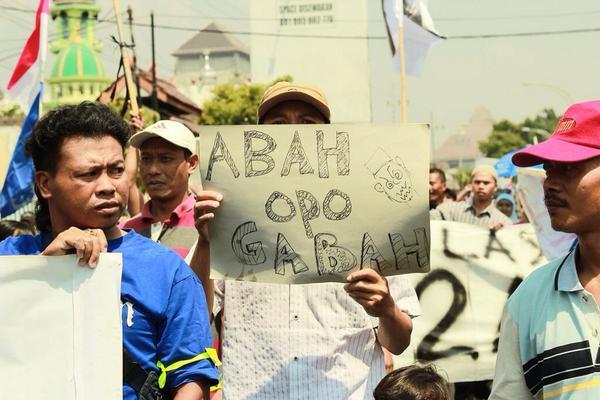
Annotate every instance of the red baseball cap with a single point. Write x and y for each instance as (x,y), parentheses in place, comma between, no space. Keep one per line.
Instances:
(575,138)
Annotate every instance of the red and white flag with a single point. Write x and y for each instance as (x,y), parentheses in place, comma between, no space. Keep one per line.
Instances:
(419,32)
(25,86)
(25,83)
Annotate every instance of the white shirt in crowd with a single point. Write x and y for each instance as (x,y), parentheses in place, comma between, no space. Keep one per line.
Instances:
(301,341)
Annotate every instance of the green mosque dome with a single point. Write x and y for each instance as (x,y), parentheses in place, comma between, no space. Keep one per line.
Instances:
(77,73)
(77,62)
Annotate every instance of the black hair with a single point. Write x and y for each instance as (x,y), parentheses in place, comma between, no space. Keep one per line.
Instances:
(414,382)
(440,172)
(88,120)
(8,227)
(450,194)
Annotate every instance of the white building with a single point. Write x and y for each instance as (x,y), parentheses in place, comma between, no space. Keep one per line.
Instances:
(339,45)
(208,58)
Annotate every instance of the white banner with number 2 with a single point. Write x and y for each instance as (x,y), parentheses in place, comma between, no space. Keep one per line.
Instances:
(472,274)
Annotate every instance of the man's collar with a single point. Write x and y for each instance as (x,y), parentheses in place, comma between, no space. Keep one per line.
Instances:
(488,209)
(566,278)
(146,214)
(185,206)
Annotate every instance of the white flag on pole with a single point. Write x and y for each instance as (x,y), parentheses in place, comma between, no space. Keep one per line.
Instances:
(419,32)
(530,189)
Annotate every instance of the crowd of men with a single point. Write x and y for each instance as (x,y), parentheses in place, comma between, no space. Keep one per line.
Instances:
(325,341)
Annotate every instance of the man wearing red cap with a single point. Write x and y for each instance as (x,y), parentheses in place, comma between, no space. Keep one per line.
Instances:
(549,339)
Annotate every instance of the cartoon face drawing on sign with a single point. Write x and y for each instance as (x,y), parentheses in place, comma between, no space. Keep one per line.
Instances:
(392,177)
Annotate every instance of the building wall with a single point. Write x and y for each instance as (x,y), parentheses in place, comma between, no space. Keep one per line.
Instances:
(384,79)
(340,67)
(8,139)
(229,67)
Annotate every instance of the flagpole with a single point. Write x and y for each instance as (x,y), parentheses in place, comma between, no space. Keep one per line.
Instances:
(402,71)
(126,67)
(43,54)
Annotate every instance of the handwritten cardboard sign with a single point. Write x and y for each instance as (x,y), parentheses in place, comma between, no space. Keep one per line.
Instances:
(311,203)
(462,297)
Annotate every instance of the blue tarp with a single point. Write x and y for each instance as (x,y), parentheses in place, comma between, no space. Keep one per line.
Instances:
(506,168)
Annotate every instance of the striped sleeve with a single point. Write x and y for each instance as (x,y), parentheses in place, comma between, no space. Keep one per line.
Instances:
(404,294)
(219,293)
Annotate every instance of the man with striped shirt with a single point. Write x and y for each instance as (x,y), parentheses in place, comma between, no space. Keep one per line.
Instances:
(480,210)
(549,338)
(318,341)
(167,158)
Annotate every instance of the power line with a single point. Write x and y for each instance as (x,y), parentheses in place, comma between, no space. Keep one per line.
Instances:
(530,16)
(362,37)
(524,34)
(225,17)
(346,37)
(457,19)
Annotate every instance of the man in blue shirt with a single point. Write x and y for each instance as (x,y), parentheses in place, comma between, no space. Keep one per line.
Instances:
(82,190)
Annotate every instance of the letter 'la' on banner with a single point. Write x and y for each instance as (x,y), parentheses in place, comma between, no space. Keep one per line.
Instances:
(312,203)
(25,86)
(419,32)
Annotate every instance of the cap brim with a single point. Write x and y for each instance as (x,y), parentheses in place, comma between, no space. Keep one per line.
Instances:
(553,150)
(138,139)
(293,95)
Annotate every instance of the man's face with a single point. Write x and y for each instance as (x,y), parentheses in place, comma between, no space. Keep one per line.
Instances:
(572,195)
(89,188)
(436,189)
(293,112)
(484,186)
(165,169)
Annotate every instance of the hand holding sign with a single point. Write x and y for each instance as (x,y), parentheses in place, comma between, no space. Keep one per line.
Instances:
(88,244)
(371,291)
(204,211)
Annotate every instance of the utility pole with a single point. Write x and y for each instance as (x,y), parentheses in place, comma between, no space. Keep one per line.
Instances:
(126,67)
(154,90)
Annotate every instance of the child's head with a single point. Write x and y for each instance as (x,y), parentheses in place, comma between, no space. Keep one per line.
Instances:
(414,382)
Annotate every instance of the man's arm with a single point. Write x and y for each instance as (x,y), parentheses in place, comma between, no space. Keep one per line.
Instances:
(200,264)
(206,204)
(192,391)
(185,345)
(136,199)
(371,291)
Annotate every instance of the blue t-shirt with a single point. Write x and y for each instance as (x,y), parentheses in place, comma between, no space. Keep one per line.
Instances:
(164,309)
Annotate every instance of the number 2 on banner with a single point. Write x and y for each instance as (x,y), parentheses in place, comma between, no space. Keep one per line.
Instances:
(425,351)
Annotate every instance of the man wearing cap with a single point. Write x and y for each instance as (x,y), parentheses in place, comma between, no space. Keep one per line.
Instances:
(480,210)
(320,341)
(167,158)
(81,189)
(549,338)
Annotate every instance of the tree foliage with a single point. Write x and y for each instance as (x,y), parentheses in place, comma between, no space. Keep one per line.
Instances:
(235,104)
(148,115)
(462,176)
(508,136)
(11,112)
